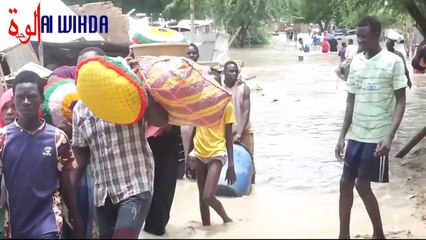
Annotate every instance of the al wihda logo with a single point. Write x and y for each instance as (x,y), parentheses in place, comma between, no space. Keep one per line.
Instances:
(66,24)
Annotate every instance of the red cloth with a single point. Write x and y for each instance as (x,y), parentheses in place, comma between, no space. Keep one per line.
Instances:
(325,46)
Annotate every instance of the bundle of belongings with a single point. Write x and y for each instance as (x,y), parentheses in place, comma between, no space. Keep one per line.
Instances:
(114,93)
(60,96)
(109,88)
(158,35)
(185,89)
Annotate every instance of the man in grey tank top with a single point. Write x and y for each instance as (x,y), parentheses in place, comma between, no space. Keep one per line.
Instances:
(243,132)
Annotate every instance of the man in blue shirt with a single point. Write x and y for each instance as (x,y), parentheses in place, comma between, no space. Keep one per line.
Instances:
(342,52)
(37,163)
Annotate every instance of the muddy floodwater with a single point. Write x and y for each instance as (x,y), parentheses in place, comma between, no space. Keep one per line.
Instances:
(297,110)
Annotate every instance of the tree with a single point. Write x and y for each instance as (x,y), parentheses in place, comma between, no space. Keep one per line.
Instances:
(390,12)
(417,10)
(179,9)
(318,11)
(403,14)
(153,7)
(248,17)
(252,18)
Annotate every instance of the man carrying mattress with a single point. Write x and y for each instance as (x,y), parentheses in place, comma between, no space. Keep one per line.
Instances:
(243,133)
(122,164)
(166,147)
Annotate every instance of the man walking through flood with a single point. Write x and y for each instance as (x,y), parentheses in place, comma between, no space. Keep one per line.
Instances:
(351,50)
(166,149)
(375,107)
(122,164)
(242,130)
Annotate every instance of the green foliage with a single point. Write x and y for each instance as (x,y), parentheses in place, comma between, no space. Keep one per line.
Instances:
(254,17)
(392,13)
(258,35)
(308,11)
(248,15)
(179,9)
(389,12)
(145,6)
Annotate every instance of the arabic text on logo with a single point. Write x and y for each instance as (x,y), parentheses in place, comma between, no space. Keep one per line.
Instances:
(66,24)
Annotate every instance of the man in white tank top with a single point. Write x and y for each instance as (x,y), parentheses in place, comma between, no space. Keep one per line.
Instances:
(242,130)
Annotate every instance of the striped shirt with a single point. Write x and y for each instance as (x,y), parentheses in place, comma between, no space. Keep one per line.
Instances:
(121,159)
(373,81)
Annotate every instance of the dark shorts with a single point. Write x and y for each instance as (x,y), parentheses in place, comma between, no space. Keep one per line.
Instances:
(361,163)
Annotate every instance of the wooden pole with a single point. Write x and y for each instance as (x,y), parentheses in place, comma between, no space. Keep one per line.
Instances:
(233,37)
(191,9)
(413,142)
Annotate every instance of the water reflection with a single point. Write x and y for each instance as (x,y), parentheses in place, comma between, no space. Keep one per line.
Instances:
(298,111)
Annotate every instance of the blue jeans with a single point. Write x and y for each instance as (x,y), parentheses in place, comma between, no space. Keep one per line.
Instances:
(85,203)
(124,219)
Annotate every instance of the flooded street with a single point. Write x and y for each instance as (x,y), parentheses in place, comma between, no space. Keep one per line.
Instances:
(297,111)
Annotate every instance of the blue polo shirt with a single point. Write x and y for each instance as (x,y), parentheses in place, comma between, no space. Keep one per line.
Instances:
(31,164)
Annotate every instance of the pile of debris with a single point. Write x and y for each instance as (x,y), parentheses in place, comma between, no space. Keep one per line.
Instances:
(118,23)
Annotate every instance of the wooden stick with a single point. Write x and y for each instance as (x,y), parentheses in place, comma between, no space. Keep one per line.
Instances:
(233,37)
(412,143)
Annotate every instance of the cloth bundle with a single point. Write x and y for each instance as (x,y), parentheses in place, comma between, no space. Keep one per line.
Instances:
(60,97)
(185,89)
(157,35)
(109,88)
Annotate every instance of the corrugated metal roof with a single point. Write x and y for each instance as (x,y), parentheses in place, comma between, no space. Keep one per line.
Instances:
(19,55)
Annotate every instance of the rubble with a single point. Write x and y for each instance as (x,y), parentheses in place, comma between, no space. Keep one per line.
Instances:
(118,23)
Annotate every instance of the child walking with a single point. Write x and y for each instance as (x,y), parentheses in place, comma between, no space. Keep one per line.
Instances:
(210,149)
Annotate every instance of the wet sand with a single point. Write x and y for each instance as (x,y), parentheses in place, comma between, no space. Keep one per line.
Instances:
(270,212)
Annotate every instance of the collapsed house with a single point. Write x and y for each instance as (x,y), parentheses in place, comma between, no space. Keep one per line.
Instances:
(118,22)
(59,49)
